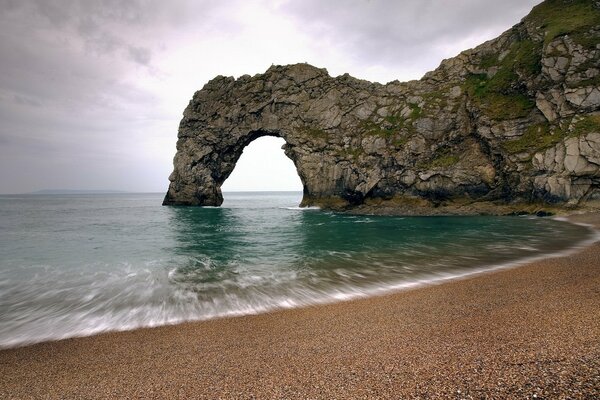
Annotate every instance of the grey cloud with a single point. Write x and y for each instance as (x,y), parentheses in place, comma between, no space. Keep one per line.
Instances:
(27,101)
(53,11)
(97,39)
(135,12)
(140,55)
(380,32)
(104,27)
(42,42)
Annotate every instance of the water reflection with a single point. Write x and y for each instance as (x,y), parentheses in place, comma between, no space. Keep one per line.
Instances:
(275,252)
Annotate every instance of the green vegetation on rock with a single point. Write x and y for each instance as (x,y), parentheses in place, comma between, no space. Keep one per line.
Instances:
(536,137)
(502,94)
(587,124)
(496,97)
(416,111)
(488,60)
(437,99)
(393,124)
(542,136)
(443,158)
(314,132)
(445,161)
(400,142)
(585,83)
(372,128)
(567,17)
(352,153)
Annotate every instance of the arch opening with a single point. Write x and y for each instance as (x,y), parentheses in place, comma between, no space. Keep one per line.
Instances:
(263,167)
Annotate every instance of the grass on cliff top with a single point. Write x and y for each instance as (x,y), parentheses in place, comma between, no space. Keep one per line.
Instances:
(504,95)
(567,17)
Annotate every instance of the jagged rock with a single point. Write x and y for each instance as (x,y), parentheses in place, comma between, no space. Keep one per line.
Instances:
(586,97)
(516,119)
(545,107)
(589,147)
(574,162)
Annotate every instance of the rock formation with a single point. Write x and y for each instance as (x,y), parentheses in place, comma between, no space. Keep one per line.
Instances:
(514,121)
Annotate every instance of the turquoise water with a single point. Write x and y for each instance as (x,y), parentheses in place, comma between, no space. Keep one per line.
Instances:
(75,265)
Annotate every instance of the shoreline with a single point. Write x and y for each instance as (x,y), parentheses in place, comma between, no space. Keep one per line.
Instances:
(334,343)
(351,294)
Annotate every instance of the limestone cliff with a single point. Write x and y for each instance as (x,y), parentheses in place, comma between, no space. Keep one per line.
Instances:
(514,121)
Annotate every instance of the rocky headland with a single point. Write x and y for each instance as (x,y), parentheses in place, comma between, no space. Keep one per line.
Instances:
(511,125)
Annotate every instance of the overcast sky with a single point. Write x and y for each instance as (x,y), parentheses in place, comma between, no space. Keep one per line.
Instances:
(91,92)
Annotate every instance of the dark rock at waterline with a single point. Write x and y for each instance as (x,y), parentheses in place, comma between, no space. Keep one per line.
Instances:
(514,122)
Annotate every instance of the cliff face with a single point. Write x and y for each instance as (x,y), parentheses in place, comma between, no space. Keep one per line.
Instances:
(513,121)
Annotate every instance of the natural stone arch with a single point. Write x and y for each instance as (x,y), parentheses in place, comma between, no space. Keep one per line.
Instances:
(496,126)
(221,121)
(220,161)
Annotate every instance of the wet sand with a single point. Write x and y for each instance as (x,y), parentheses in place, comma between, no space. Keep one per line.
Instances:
(533,330)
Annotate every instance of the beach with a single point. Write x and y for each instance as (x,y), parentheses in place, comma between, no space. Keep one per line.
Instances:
(515,333)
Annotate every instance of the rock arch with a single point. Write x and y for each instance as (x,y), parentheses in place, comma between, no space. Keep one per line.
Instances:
(222,120)
(487,129)
(212,163)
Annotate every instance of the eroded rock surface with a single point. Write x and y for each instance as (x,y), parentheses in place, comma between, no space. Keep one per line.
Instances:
(513,121)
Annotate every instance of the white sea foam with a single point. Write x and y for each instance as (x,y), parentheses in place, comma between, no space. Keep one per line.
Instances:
(149,313)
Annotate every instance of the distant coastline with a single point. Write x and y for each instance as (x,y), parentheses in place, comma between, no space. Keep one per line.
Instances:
(81,191)
(76,191)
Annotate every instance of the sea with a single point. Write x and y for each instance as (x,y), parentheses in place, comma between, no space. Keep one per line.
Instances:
(76,265)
